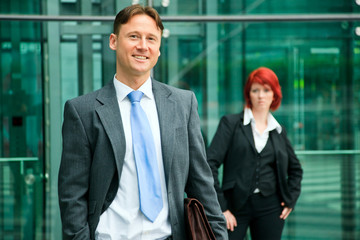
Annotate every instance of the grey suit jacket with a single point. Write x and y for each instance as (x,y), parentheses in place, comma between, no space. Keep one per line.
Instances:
(94,150)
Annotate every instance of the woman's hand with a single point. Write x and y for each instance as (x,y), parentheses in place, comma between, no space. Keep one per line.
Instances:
(286,211)
(230,220)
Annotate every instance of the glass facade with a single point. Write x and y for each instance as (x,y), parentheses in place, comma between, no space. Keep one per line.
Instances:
(48,54)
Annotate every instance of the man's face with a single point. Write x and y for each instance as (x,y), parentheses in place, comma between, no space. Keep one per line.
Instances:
(137,46)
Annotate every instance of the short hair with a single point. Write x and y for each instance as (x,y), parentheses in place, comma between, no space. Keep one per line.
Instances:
(263,75)
(124,16)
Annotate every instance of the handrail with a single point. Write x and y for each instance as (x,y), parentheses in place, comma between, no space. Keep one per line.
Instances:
(298,152)
(328,152)
(18,159)
(202,18)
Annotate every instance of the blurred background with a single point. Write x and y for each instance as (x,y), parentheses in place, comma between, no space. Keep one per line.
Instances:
(53,50)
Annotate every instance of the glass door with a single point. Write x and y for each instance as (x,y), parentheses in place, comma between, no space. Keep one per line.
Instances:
(21,132)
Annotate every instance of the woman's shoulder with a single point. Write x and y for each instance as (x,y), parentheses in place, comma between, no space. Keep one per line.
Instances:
(232,119)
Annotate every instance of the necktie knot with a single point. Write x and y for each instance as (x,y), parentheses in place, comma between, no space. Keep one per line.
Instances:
(135,96)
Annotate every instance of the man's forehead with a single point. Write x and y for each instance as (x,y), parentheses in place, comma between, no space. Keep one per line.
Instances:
(140,20)
(138,24)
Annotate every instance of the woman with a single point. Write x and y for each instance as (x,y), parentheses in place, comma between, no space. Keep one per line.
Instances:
(261,174)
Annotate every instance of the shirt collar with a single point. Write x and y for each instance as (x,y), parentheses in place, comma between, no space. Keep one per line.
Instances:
(123,90)
(272,123)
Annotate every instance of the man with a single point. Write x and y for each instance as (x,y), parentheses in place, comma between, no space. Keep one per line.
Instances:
(100,178)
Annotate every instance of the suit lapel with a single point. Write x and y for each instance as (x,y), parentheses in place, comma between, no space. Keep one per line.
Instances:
(247,132)
(110,117)
(278,143)
(166,113)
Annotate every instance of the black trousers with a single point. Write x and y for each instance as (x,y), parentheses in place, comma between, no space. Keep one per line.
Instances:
(262,215)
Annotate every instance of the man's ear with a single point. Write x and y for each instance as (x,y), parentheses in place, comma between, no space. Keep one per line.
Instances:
(112,41)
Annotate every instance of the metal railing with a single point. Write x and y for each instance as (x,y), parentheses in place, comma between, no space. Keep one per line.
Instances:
(198,18)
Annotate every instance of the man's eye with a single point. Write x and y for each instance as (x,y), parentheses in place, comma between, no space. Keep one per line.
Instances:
(133,36)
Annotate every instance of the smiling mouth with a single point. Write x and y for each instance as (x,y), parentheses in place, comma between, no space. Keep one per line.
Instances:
(140,57)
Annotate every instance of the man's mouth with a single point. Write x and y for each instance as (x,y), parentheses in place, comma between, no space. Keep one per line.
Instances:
(140,57)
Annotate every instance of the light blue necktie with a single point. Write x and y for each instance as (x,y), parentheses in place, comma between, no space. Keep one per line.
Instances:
(145,159)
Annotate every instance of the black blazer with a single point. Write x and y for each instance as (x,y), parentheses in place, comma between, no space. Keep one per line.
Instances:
(233,145)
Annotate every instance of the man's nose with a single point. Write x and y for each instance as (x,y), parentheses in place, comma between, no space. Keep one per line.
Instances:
(142,44)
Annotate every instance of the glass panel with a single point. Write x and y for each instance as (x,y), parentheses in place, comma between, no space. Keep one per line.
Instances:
(329,206)
(315,63)
(21,132)
(20,7)
(87,62)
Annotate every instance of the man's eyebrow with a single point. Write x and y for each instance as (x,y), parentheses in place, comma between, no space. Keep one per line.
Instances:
(153,35)
(148,34)
(132,32)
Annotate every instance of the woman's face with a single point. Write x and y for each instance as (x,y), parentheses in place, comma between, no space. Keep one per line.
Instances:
(261,96)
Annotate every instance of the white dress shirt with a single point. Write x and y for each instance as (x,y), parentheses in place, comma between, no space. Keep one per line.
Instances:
(123,220)
(260,139)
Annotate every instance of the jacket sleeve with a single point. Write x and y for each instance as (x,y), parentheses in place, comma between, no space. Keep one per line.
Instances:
(217,153)
(200,184)
(294,173)
(73,176)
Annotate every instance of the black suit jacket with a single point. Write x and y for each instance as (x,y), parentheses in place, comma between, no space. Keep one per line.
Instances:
(233,145)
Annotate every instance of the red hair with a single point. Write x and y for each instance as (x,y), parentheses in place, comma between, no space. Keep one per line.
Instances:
(263,76)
